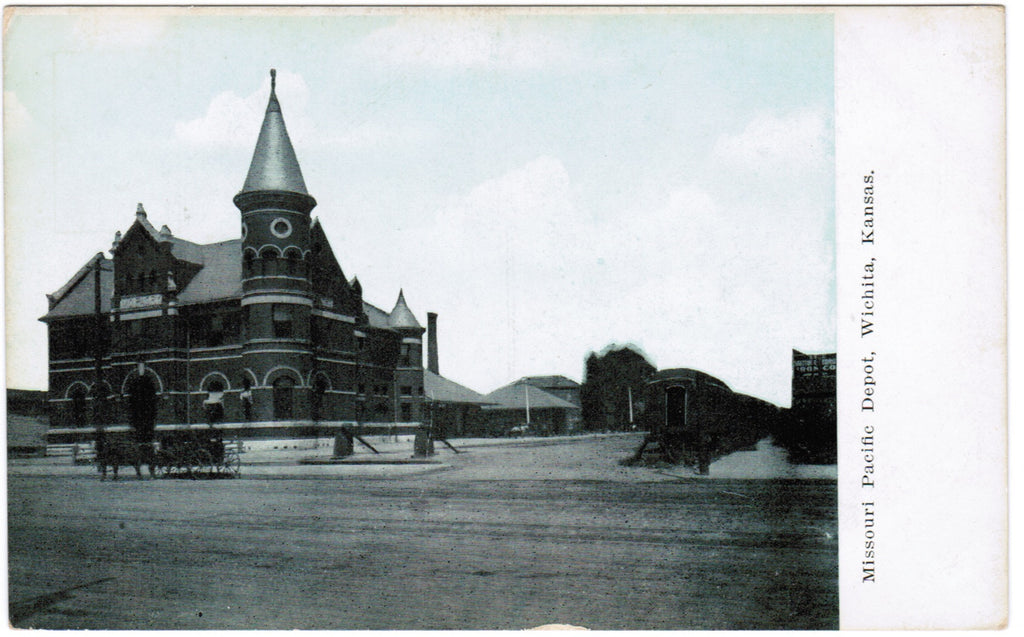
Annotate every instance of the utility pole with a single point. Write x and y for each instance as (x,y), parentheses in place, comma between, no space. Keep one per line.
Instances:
(188,376)
(98,320)
(99,343)
(527,404)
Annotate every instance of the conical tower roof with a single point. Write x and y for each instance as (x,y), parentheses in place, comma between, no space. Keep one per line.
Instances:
(401,315)
(274,165)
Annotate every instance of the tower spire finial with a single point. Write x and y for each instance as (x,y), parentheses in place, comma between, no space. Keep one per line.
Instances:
(274,165)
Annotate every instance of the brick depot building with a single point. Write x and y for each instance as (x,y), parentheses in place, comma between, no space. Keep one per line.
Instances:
(262,335)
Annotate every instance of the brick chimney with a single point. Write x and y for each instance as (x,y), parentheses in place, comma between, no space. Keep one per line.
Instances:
(432,343)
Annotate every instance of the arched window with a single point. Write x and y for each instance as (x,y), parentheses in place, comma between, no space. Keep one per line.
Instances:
(245,397)
(268,259)
(284,388)
(213,406)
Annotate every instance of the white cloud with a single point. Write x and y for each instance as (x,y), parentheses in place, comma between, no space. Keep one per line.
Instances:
(477,42)
(700,281)
(120,29)
(234,121)
(798,141)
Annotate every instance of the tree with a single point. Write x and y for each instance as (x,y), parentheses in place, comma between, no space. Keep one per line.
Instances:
(609,380)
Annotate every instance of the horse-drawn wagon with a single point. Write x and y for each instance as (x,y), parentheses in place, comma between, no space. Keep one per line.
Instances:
(184,454)
(197,454)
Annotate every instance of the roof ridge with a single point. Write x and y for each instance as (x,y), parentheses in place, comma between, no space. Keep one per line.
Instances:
(555,400)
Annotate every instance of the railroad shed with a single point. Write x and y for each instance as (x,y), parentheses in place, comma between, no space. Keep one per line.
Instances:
(453,410)
(522,407)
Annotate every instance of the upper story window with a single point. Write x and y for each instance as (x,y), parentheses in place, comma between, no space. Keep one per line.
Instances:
(72,339)
(214,329)
(294,263)
(283,323)
(281,228)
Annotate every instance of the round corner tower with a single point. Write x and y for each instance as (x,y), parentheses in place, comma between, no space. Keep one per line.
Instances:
(276,298)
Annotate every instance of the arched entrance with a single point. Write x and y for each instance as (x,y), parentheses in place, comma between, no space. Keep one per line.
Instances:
(283,398)
(142,408)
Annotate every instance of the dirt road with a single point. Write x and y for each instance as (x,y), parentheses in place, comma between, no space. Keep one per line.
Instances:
(496,538)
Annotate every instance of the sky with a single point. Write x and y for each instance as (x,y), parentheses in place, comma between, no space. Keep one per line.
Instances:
(549,182)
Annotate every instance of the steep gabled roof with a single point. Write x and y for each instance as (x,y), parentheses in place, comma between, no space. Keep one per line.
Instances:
(181,249)
(274,165)
(439,389)
(378,317)
(513,396)
(77,296)
(219,279)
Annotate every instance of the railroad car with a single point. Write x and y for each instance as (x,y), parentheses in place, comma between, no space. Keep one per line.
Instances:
(694,417)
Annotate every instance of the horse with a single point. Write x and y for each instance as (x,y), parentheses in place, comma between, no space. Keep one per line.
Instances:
(123,453)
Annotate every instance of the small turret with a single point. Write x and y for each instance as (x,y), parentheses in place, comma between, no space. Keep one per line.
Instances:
(401,315)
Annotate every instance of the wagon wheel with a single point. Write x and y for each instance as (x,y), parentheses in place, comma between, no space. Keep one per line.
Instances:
(159,465)
(232,463)
(181,461)
(167,460)
(202,460)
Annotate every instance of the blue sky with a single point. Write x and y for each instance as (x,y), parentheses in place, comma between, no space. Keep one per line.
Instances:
(548,182)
